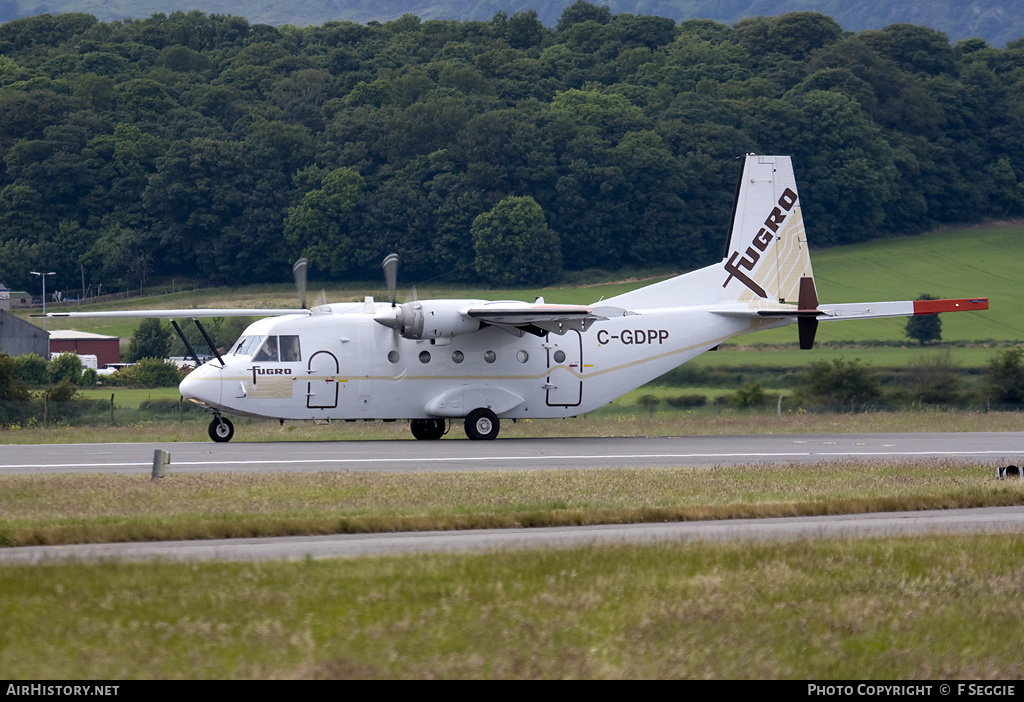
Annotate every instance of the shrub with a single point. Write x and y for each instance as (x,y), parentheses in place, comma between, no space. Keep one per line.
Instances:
(66,366)
(32,370)
(147,373)
(837,383)
(749,396)
(1006,376)
(687,400)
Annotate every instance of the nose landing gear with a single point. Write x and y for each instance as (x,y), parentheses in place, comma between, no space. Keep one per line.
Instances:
(221,429)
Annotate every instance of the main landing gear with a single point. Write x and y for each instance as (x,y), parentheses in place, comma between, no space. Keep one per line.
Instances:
(428,429)
(221,429)
(481,424)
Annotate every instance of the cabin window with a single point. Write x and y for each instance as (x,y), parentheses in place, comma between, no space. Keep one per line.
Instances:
(424,357)
(290,348)
(458,356)
(559,356)
(393,356)
(522,357)
(490,356)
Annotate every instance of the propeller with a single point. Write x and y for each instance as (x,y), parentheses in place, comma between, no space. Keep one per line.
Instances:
(395,319)
(390,267)
(299,270)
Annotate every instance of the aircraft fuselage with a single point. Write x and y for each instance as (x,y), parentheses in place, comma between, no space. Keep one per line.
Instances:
(346,366)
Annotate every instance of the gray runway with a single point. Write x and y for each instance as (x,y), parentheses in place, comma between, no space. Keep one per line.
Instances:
(988,448)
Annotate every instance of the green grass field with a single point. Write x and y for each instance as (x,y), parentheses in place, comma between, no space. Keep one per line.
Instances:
(938,607)
(941,608)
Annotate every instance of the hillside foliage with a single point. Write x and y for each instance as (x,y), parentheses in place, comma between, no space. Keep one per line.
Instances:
(995,21)
(204,147)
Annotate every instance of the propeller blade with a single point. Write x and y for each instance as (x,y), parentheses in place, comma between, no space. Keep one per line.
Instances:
(299,270)
(390,267)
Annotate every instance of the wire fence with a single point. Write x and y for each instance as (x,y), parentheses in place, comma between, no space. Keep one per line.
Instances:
(41,412)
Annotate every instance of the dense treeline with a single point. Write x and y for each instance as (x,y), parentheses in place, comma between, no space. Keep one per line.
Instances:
(201,146)
(995,21)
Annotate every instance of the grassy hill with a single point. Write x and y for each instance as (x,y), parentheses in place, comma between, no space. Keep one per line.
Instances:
(958,263)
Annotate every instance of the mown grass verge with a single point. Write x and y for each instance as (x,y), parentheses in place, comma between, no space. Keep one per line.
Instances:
(929,608)
(621,418)
(83,508)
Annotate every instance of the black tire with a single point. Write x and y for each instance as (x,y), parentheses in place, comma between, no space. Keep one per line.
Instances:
(482,425)
(427,429)
(221,429)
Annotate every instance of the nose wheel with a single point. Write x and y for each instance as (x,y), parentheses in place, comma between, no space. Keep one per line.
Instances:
(221,429)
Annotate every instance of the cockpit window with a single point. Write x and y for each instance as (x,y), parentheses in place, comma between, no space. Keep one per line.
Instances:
(247,345)
(282,348)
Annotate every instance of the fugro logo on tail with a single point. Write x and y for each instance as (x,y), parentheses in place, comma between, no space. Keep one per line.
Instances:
(762,240)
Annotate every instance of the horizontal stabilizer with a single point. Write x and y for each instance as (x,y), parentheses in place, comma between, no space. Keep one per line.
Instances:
(872,310)
(862,310)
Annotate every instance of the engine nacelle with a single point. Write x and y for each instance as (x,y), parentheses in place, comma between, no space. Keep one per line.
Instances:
(429,319)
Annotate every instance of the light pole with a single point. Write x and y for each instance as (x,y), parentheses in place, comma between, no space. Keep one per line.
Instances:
(43,276)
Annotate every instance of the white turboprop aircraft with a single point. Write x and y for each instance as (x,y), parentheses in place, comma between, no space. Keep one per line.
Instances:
(433,361)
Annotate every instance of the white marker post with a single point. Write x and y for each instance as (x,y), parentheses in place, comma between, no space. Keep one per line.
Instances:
(161,459)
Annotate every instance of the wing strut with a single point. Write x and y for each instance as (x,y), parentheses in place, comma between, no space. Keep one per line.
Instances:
(210,342)
(188,346)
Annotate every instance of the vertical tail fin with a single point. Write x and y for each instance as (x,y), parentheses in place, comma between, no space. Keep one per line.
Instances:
(767,254)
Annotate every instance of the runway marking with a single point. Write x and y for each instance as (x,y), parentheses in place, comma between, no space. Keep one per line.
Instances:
(452,459)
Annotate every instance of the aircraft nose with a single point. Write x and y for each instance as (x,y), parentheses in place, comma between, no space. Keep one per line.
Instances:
(203,385)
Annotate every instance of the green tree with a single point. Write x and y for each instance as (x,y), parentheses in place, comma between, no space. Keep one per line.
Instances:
(150,340)
(316,225)
(513,244)
(924,328)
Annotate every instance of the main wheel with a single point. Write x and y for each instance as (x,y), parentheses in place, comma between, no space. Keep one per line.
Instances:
(482,424)
(427,429)
(221,429)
